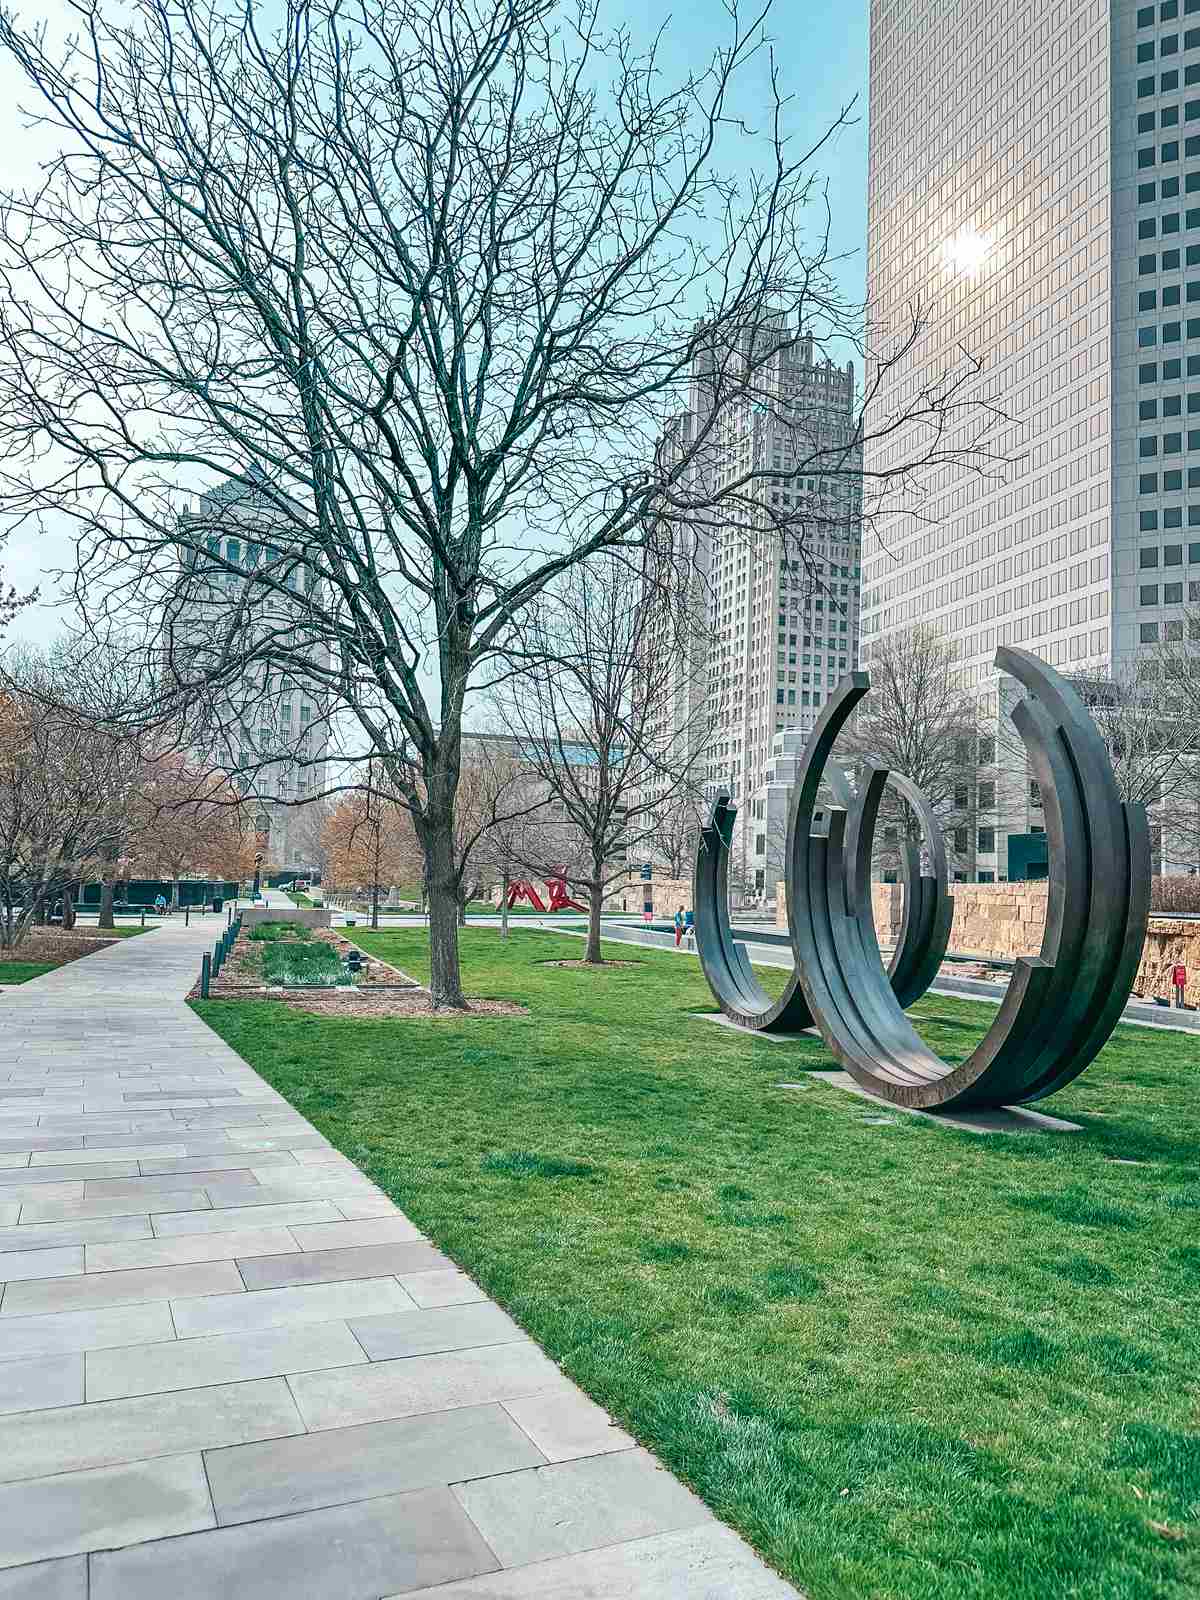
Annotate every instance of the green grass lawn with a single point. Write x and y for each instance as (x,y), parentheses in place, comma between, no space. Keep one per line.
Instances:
(21,971)
(908,1363)
(299,899)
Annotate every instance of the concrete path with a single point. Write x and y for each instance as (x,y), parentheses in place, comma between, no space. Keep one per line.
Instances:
(230,1367)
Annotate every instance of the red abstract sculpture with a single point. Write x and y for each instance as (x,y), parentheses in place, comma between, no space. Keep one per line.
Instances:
(522,889)
(559,899)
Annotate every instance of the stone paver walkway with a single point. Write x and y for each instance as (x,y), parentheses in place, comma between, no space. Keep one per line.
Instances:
(230,1367)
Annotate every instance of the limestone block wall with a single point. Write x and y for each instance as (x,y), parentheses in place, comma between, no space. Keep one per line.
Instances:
(309,916)
(1008,919)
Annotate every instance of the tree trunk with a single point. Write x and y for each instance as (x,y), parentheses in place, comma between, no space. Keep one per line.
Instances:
(107,885)
(445,975)
(68,911)
(462,913)
(504,905)
(175,894)
(595,904)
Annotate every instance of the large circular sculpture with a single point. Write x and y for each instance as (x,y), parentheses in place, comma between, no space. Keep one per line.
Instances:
(1061,1005)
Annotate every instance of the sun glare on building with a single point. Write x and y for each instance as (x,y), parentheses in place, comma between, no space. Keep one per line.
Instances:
(965,254)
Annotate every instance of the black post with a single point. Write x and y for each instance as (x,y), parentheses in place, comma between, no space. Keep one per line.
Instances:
(187,916)
(205,970)
(216,962)
(143,916)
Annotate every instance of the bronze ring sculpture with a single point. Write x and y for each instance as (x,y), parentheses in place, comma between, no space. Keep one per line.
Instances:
(1061,1005)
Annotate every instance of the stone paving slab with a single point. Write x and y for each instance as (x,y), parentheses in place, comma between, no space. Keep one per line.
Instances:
(46,1580)
(102,1434)
(570,1506)
(231,1367)
(353,1552)
(41,1382)
(327,1266)
(75,1512)
(318,1469)
(178,1251)
(223,1358)
(707,1563)
(120,1288)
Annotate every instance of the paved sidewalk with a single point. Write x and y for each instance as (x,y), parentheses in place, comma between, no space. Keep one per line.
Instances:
(230,1367)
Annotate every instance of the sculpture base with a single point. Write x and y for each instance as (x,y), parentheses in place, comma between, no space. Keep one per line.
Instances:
(754,1033)
(1007,1119)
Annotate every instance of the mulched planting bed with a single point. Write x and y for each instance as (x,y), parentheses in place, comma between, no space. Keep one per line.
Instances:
(379,990)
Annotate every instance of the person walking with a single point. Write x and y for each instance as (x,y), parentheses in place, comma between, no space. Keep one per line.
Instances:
(689,927)
(160,904)
(678,927)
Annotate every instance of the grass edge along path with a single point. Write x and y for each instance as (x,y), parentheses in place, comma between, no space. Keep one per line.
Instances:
(14,972)
(907,1363)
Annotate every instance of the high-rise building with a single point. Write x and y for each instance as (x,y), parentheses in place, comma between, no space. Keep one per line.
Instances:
(776,614)
(1034,183)
(240,598)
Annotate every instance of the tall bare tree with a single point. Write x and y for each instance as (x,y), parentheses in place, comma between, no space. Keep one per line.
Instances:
(430,277)
(596,671)
(919,721)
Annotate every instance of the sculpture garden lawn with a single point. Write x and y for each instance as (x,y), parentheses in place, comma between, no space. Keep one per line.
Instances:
(908,1363)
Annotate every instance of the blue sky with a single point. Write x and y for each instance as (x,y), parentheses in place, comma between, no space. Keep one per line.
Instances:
(820,49)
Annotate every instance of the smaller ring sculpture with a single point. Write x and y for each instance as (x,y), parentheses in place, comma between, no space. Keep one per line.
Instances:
(924,931)
(1061,1005)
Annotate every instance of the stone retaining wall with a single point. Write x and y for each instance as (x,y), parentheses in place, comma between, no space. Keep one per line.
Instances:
(1008,919)
(311,917)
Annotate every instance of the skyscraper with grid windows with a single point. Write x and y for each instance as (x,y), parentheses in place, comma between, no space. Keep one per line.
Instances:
(1034,179)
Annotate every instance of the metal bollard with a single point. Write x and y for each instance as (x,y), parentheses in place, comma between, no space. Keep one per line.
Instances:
(216,962)
(143,916)
(187,916)
(205,972)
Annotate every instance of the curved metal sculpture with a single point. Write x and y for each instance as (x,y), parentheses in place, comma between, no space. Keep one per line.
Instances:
(1061,1005)
(924,932)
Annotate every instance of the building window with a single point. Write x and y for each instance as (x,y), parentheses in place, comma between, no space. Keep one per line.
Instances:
(1172,555)
(1148,594)
(987,796)
(1148,632)
(1172,594)
(1148,521)
(987,840)
(960,841)
(962,797)
(987,750)
(1148,557)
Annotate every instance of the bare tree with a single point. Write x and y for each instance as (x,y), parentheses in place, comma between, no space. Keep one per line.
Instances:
(66,783)
(368,840)
(585,707)
(430,277)
(919,721)
(1146,714)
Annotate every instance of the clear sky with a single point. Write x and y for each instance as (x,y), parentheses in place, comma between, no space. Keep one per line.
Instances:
(820,49)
